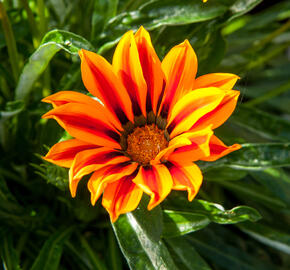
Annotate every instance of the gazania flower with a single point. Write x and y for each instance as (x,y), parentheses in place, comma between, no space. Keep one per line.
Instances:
(155,119)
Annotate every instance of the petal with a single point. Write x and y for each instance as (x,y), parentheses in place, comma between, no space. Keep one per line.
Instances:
(86,123)
(218,149)
(151,68)
(127,66)
(108,174)
(185,177)
(221,113)
(225,81)
(101,81)
(180,67)
(199,147)
(191,107)
(121,196)
(156,181)
(91,160)
(63,153)
(64,97)
(196,140)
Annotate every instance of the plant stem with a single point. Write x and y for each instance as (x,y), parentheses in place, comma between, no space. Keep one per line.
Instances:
(11,43)
(92,256)
(32,24)
(42,19)
(274,34)
(273,93)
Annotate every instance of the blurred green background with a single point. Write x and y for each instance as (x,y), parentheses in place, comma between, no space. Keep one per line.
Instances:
(42,227)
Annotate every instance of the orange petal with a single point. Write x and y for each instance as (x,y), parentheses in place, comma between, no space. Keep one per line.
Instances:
(191,107)
(225,81)
(180,67)
(185,177)
(127,66)
(63,153)
(108,174)
(86,123)
(218,149)
(199,139)
(221,113)
(121,196)
(100,80)
(64,97)
(151,68)
(199,147)
(156,181)
(91,160)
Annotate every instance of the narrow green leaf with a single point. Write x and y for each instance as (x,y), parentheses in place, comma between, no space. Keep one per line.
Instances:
(260,122)
(12,108)
(8,253)
(254,192)
(201,214)
(52,42)
(171,12)
(241,7)
(51,252)
(276,180)
(158,13)
(222,250)
(254,157)
(178,223)
(267,236)
(139,242)
(224,174)
(187,254)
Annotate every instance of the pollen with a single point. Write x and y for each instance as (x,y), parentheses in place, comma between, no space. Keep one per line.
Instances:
(144,143)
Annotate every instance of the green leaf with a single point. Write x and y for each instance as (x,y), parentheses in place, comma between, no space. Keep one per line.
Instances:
(12,108)
(268,236)
(260,122)
(140,243)
(241,7)
(51,252)
(155,14)
(254,192)
(223,248)
(224,174)
(186,254)
(8,253)
(276,180)
(52,42)
(171,12)
(201,214)
(178,223)
(254,157)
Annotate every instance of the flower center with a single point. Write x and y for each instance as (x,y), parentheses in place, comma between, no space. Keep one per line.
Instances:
(144,143)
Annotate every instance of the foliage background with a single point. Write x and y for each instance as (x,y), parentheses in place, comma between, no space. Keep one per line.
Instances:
(41,227)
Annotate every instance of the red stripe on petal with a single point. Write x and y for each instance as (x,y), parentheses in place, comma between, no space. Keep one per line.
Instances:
(221,113)
(121,196)
(101,81)
(185,177)
(111,173)
(127,66)
(218,149)
(151,67)
(63,153)
(155,181)
(180,67)
(91,160)
(86,123)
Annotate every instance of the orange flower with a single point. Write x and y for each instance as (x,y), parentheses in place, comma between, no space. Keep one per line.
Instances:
(155,121)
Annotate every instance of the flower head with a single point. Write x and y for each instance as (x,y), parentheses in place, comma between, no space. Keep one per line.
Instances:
(155,120)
